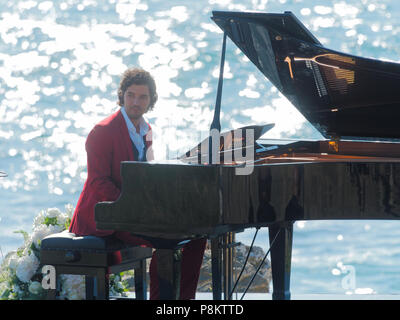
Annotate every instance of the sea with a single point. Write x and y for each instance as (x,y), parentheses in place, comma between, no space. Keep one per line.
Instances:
(60,65)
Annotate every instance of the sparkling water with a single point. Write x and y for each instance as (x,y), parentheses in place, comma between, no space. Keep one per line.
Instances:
(60,65)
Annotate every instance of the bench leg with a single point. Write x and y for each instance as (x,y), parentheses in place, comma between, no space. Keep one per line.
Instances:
(89,287)
(216,267)
(102,285)
(140,281)
(51,294)
(169,273)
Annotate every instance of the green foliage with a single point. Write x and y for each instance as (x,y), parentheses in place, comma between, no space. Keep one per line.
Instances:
(50,221)
(24,233)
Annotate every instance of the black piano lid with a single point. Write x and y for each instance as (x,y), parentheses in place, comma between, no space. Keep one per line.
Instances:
(342,95)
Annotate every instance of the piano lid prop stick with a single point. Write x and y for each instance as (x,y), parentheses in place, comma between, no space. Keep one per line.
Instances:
(216,123)
(216,120)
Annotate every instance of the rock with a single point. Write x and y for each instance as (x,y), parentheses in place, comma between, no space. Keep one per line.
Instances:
(261,281)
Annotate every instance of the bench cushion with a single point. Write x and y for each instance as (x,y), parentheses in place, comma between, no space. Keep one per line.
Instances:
(66,248)
(69,240)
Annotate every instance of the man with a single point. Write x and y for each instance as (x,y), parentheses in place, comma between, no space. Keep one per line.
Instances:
(126,136)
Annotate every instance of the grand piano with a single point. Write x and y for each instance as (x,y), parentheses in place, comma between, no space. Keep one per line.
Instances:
(353,173)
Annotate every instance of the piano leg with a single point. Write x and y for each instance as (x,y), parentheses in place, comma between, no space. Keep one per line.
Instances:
(228,264)
(140,280)
(281,258)
(222,256)
(216,266)
(169,273)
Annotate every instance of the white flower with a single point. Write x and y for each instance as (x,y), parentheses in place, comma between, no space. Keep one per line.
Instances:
(26,268)
(50,213)
(35,287)
(42,231)
(53,213)
(39,219)
(73,287)
(53,216)
(11,260)
(62,219)
(38,234)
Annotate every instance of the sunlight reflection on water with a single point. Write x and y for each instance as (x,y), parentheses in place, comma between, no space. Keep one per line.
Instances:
(60,64)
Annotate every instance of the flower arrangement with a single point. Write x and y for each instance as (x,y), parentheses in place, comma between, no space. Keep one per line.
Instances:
(20,273)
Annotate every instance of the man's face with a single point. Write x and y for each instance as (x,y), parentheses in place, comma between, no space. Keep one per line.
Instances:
(136,101)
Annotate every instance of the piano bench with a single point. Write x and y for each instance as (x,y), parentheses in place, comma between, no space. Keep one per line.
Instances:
(95,258)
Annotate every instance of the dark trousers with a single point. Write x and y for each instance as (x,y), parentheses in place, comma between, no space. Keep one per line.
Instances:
(192,258)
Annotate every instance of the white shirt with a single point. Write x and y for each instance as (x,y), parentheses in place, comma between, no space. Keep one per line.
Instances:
(137,138)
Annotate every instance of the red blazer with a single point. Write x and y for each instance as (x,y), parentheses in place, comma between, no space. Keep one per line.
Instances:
(106,145)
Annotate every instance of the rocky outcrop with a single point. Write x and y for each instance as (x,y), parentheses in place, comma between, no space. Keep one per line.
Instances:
(260,284)
(261,281)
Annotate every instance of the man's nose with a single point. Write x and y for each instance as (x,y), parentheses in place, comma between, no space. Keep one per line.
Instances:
(135,100)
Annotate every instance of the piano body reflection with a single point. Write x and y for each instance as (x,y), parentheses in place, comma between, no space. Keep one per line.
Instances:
(354,173)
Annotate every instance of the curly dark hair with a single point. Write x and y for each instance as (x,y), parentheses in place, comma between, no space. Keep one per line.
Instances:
(139,77)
